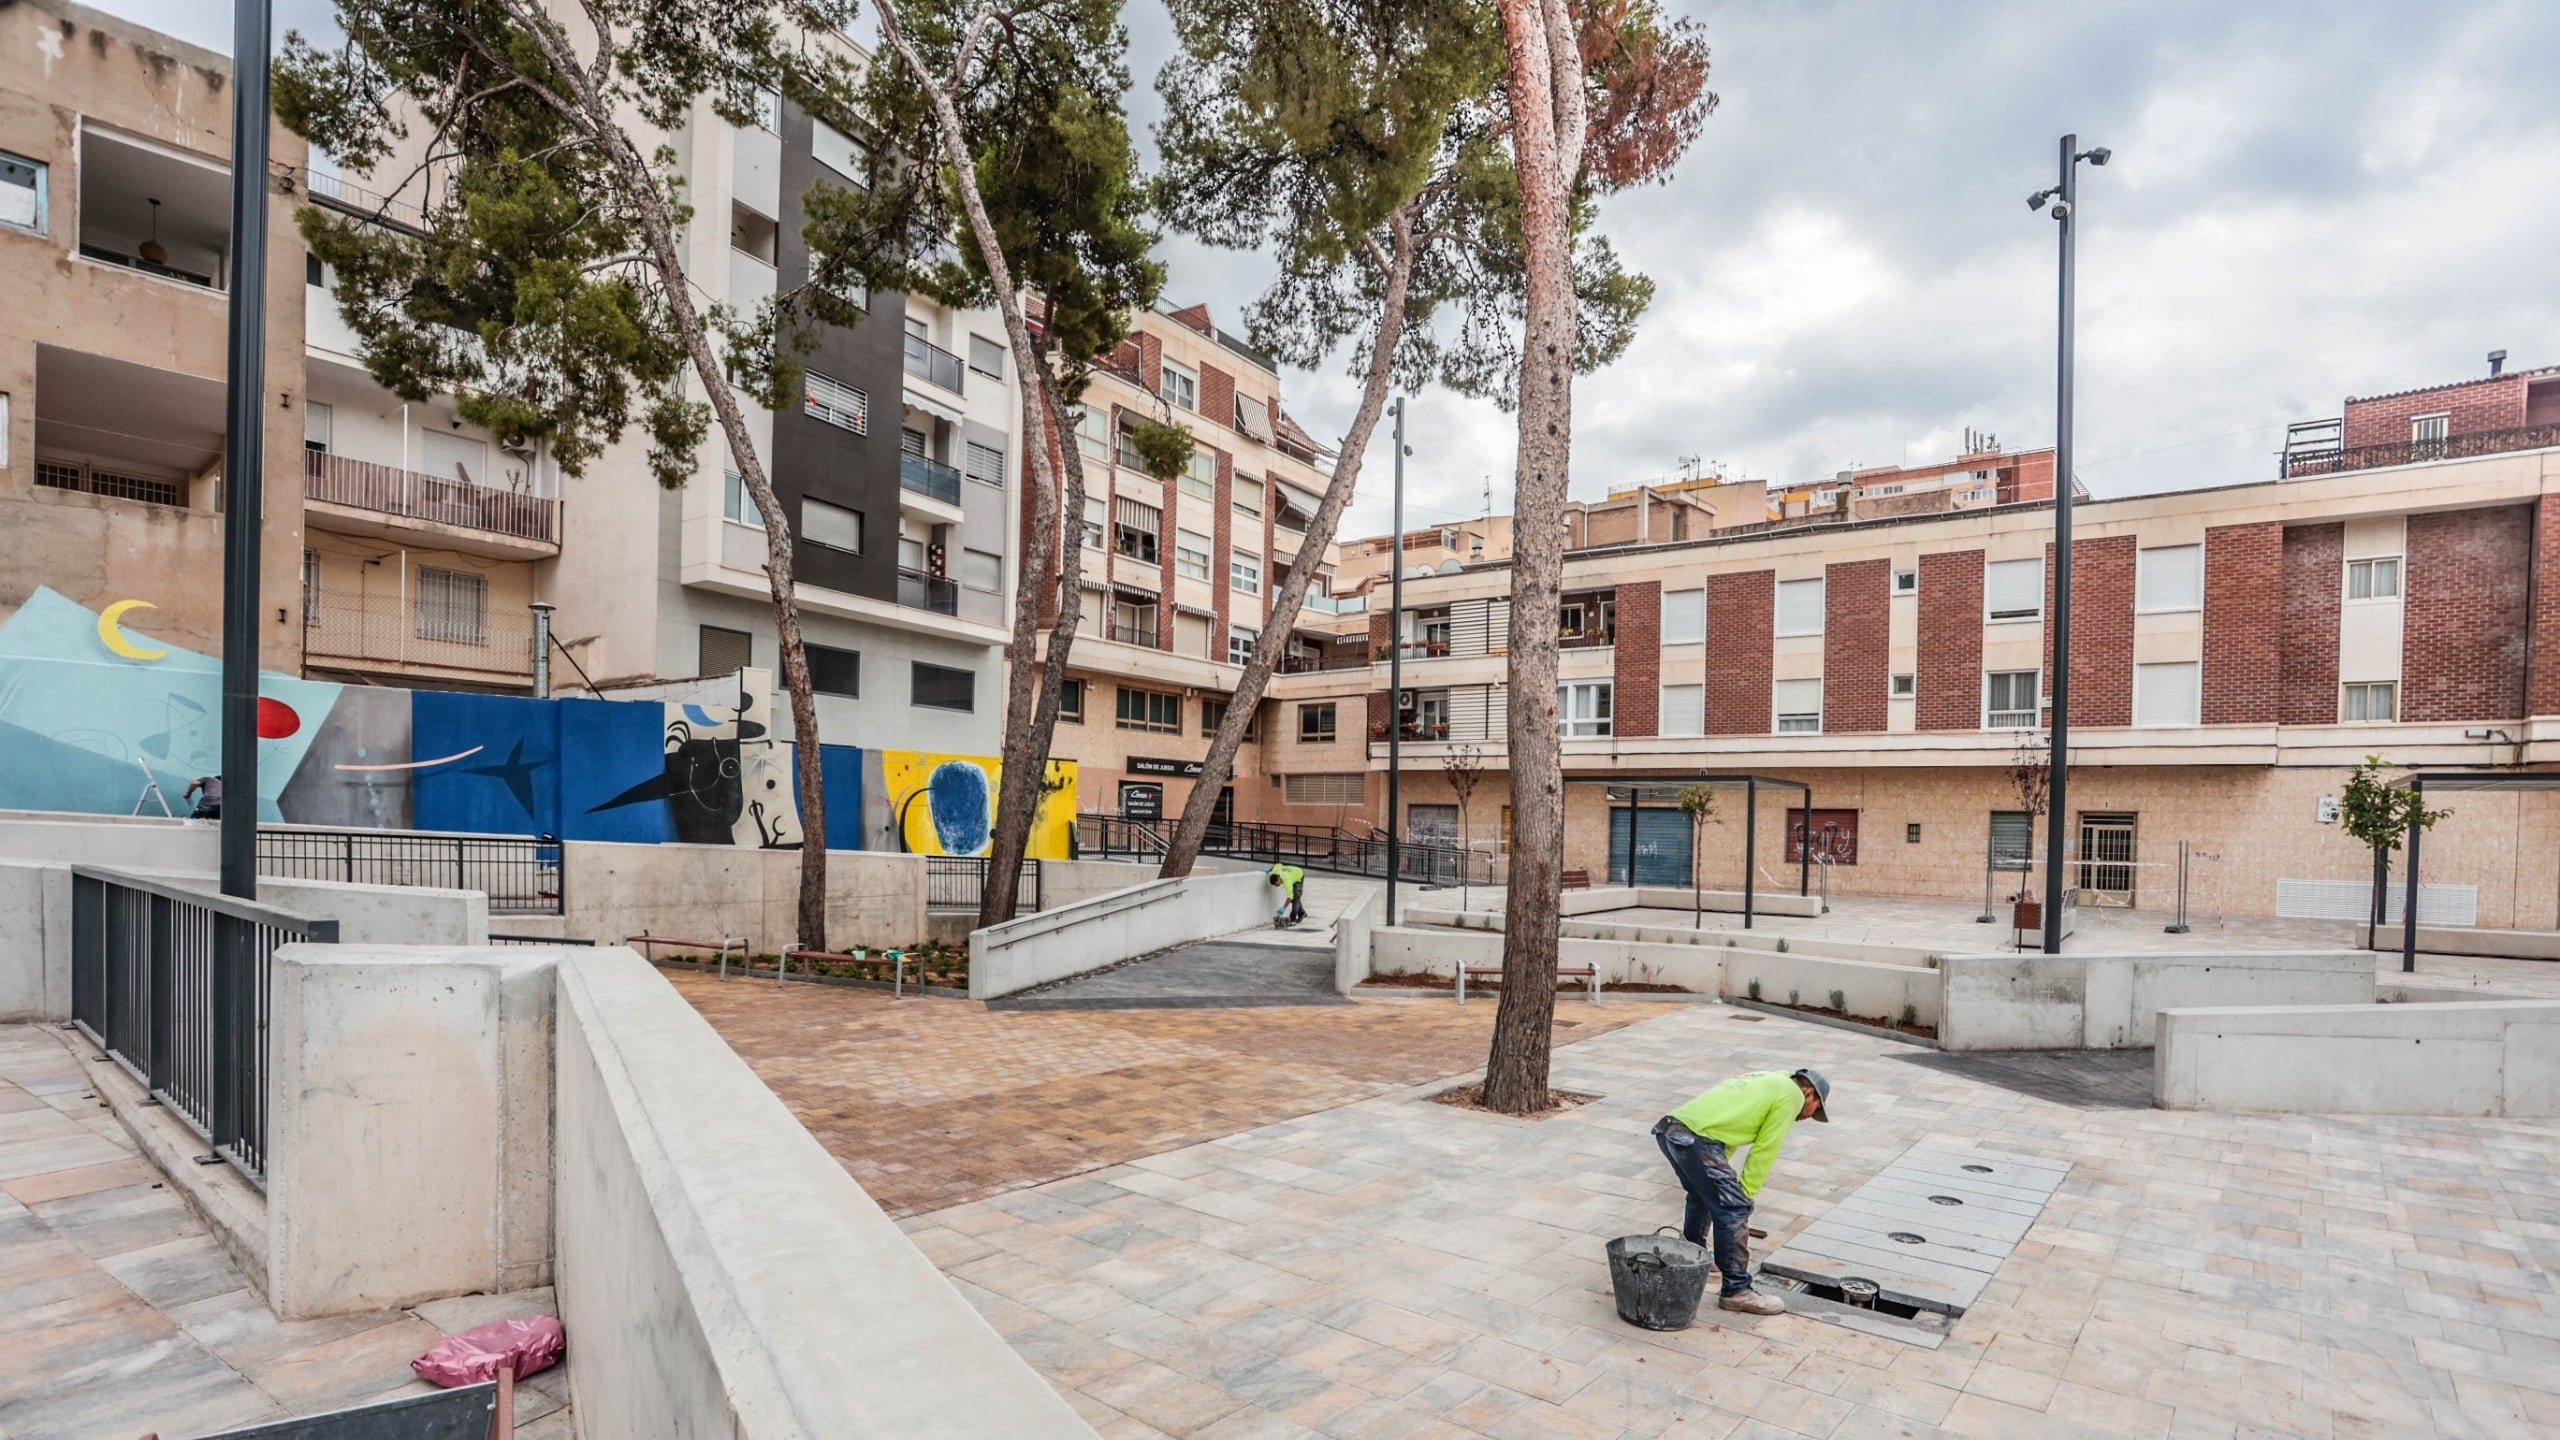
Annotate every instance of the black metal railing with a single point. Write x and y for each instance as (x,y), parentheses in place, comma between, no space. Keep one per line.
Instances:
(2295,464)
(498,939)
(929,478)
(932,364)
(919,591)
(959,882)
(521,876)
(1126,633)
(1110,837)
(174,985)
(1310,847)
(1304,664)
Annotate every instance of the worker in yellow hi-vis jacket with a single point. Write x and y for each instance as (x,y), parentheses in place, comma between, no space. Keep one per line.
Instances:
(1752,1112)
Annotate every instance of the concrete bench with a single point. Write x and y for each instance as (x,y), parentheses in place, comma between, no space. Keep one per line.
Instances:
(1589,976)
(644,940)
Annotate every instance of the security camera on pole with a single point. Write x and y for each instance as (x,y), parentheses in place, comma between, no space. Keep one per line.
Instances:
(2065,197)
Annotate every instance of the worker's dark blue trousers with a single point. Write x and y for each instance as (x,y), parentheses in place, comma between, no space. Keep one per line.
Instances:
(1715,1197)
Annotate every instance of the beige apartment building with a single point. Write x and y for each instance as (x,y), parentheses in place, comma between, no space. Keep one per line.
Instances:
(115,251)
(2235,651)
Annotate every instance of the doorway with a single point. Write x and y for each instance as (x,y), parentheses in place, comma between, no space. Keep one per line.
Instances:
(2106,859)
(1649,846)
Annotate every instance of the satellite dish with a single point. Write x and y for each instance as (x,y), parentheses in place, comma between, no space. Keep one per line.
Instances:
(1450,567)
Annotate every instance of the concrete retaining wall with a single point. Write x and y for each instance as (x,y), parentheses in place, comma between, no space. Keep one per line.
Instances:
(707,892)
(111,841)
(1351,940)
(2463,940)
(409,1125)
(722,1275)
(1868,990)
(35,941)
(1871,991)
(1767,900)
(1601,927)
(2108,1002)
(2470,1058)
(1107,929)
(1064,882)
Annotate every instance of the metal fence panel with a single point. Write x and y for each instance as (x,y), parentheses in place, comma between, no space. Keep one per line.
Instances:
(521,875)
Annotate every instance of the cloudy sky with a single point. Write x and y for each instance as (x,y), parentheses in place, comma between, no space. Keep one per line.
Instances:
(2306,201)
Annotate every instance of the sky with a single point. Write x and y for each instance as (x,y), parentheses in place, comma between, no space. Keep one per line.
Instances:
(2305,202)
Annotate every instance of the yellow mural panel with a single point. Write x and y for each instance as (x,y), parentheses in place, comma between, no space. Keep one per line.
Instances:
(945,804)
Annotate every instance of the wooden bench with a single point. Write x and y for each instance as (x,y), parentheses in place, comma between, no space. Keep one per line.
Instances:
(896,958)
(1589,977)
(735,942)
(1576,879)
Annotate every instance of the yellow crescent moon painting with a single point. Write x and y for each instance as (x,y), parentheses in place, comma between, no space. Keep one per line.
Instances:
(111,630)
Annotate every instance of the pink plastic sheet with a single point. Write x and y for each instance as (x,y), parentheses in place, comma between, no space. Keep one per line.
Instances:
(476,1356)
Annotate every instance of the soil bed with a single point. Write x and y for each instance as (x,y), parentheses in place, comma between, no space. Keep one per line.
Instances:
(1471,1097)
(1569,987)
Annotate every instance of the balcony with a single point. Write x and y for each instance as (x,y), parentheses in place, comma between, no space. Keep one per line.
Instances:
(389,490)
(933,365)
(1312,663)
(456,635)
(153,209)
(929,478)
(110,428)
(2297,463)
(1141,633)
(919,591)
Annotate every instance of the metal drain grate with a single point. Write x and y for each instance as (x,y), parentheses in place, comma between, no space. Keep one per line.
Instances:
(1928,1231)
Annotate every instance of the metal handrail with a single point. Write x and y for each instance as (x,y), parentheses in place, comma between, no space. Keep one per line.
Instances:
(928,477)
(933,364)
(2293,465)
(521,875)
(919,591)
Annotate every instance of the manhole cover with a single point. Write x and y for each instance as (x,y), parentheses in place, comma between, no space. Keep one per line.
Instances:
(1979,1169)
(1905,1237)
(1944,1200)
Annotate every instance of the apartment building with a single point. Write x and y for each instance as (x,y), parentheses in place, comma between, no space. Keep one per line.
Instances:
(1178,578)
(115,253)
(2235,650)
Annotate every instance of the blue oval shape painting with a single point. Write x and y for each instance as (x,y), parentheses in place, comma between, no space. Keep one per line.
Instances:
(958,795)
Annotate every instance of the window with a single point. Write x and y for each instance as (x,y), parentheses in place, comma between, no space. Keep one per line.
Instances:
(723,651)
(836,403)
(1244,572)
(754,235)
(1906,582)
(831,525)
(458,458)
(1192,632)
(1071,702)
(1315,724)
(768,110)
(1133,622)
(2429,429)
(1201,477)
(1240,644)
(1350,789)
(2169,577)
(1092,532)
(2370,700)
(837,672)
(911,553)
(318,421)
(2013,589)
(940,687)
(1134,532)
(2012,839)
(986,357)
(2377,579)
(1093,433)
(986,464)
(1684,616)
(310,588)
(1213,713)
(840,152)
(1905,687)
(451,604)
(1150,710)
(1799,707)
(1911,833)
(1181,386)
(1684,709)
(2165,694)
(1191,554)
(2009,700)
(981,571)
(1248,495)
(22,193)
(736,505)
(1800,607)
(1582,709)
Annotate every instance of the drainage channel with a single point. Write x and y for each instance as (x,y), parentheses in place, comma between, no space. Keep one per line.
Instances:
(1903,1255)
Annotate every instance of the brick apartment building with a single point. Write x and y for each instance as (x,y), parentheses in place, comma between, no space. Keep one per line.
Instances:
(2235,650)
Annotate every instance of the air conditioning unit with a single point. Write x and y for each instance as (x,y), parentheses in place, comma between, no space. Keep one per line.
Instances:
(1405,701)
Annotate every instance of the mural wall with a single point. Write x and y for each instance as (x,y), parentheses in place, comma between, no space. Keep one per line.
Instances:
(945,804)
(92,714)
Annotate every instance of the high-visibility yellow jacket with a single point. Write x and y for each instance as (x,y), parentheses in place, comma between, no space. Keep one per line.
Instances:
(1756,1110)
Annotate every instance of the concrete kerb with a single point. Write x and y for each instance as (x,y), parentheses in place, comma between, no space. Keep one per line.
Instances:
(2461,1058)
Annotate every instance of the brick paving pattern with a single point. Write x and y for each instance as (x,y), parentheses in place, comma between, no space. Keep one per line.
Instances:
(120,1313)
(930,1102)
(1401,1269)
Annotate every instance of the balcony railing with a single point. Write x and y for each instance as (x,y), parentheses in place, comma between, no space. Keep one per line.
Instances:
(919,591)
(1592,638)
(932,364)
(2294,465)
(1142,635)
(1313,664)
(391,630)
(390,490)
(929,478)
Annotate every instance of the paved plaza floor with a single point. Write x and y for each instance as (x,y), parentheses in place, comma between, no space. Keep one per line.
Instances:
(120,1314)
(1391,1269)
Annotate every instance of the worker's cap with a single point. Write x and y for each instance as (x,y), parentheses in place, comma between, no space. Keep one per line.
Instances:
(1812,1079)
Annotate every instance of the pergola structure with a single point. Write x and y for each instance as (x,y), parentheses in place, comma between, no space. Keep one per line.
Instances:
(1664,790)
(2419,783)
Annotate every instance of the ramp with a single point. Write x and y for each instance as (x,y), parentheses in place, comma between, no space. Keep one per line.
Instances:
(1203,975)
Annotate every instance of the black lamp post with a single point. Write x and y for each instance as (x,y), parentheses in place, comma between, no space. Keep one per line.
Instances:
(1395,667)
(244,448)
(2065,196)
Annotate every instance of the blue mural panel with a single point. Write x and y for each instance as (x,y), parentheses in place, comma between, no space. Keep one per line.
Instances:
(611,746)
(487,764)
(841,766)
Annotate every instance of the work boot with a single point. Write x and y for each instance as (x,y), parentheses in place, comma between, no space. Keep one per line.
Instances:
(1752,1302)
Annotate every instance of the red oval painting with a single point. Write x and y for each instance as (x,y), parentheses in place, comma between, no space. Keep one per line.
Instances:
(276,719)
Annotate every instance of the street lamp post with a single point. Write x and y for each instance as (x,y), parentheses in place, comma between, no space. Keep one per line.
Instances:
(2065,196)
(244,449)
(1395,665)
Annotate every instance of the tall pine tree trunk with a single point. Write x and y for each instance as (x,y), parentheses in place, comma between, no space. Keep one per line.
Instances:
(1544,85)
(1184,848)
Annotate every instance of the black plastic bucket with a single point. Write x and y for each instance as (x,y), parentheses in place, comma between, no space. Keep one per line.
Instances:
(1659,1279)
